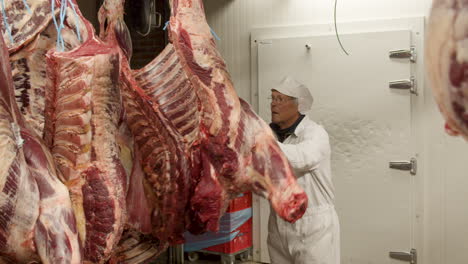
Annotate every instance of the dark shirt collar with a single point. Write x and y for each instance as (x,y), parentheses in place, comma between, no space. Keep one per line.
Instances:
(283,134)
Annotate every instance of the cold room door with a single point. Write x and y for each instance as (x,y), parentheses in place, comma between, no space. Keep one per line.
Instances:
(369,125)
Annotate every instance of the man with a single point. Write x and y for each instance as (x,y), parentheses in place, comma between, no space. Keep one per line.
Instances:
(315,238)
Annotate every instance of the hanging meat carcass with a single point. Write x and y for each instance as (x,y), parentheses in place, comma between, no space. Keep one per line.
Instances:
(447,62)
(36,219)
(187,114)
(176,105)
(83,112)
(239,146)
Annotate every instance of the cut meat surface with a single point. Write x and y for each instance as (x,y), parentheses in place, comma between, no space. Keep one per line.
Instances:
(26,21)
(19,198)
(55,235)
(29,74)
(36,218)
(23,25)
(447,62)
(82,118)
(208,201)
(139,213)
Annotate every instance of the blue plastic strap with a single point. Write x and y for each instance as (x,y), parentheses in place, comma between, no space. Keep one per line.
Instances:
(232,221)
(228,226)
(5,21)
(166,25)
(214,34)
(52,6)
(77,20)
(212,240)
(60,42)
(27,6)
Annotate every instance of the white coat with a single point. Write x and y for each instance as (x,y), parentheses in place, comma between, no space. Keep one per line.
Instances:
(315,238)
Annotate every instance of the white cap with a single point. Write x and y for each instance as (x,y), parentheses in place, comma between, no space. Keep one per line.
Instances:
(291,87)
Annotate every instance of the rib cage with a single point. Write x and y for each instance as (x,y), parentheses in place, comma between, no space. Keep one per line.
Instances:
(164,161)
(29,74)
(167,84)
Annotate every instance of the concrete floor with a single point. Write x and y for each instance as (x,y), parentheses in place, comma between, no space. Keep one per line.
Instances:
(203,259)
(214,260)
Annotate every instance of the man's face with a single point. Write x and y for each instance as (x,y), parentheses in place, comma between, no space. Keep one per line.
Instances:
(283,108)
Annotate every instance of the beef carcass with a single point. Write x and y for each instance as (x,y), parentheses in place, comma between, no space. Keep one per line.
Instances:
(83,111)
(447,62)
(239,147)
(163,161)
(138,196)
(36,218)
(175,100)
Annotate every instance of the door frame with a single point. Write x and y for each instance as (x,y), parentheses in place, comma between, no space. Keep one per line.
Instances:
(418,134)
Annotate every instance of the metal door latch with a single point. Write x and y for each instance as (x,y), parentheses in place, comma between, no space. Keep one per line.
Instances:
(405,165)
(411,257)
(405,85)
(403,54)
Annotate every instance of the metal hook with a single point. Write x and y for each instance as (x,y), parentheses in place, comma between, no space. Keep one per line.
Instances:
(308,47)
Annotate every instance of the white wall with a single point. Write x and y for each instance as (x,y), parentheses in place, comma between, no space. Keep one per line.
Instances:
(446,196)
(444,160)
(233,19)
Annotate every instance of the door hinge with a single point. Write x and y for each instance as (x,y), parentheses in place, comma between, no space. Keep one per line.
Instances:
(410,165)
(404,54)
(411,257)
(405,85)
